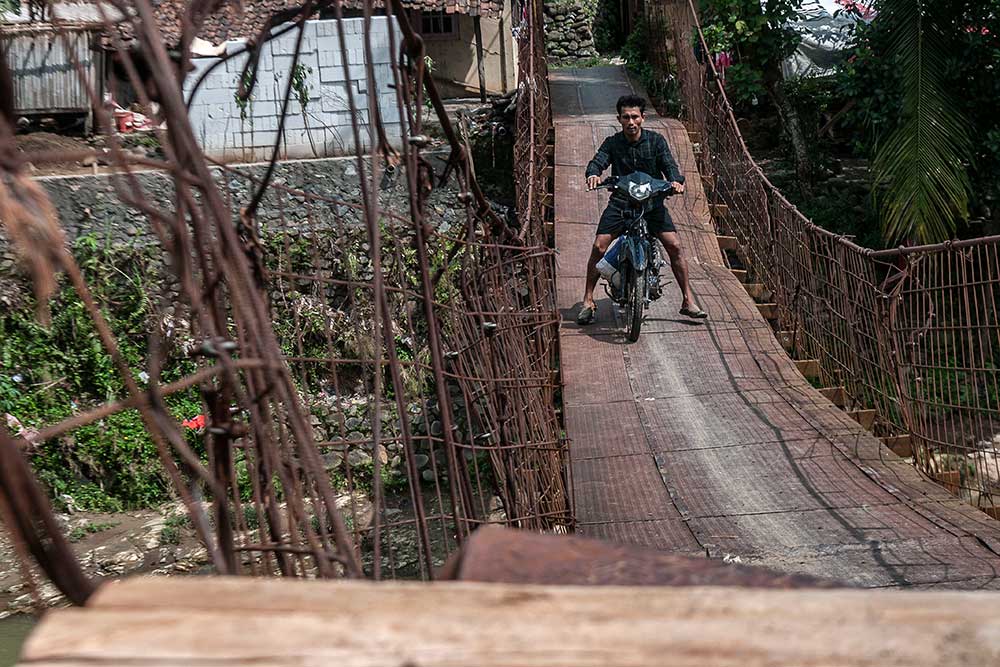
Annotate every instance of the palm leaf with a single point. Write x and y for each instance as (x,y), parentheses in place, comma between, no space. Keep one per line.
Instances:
(922,185)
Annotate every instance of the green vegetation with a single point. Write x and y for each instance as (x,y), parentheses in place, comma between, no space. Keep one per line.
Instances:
(607,26)
(300,85)
(81,532)
(52,372)
(49,373)
(590,61)
(147,140)
(759,40)
(245,104)
(172,527)
(922,160)
(659,85)
(913,98)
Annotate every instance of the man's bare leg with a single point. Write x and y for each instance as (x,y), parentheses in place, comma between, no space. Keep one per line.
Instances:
(678,264)
(601,243)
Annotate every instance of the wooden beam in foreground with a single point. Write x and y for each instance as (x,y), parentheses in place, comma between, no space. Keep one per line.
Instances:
(228,621)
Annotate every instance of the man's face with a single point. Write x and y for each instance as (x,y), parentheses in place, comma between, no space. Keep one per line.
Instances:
(631,119)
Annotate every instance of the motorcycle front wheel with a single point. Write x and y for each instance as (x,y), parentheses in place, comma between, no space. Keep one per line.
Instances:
(634,303)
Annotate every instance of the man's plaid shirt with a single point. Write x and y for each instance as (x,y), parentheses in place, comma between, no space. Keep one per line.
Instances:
(650,155)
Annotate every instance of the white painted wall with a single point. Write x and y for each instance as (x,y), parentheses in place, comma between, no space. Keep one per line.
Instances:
(455,66)
(323,128)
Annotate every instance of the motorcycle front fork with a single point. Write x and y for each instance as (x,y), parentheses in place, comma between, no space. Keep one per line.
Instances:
(655,287)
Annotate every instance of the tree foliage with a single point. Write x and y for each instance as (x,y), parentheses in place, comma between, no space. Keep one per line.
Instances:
(923,79)
(917,94)
(757,37)
(920,168)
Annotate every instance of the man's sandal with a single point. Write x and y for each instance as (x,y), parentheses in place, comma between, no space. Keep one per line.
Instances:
(696,313)
(587,315)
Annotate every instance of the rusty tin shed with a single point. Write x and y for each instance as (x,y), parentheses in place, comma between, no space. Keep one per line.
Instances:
(43,60)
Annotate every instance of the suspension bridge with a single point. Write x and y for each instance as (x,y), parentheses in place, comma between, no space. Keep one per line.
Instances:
(705,437)
(705,441)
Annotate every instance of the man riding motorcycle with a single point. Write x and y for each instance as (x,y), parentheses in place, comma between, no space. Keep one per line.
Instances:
(635,149)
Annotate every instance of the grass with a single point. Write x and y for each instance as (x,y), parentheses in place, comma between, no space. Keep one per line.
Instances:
(172,527)
(81,532)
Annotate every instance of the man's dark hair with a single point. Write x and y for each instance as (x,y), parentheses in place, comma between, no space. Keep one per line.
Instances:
(631,101)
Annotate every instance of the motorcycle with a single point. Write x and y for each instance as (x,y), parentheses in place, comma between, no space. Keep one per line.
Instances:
(632,264)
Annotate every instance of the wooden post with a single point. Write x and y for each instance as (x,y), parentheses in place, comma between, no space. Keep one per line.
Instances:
(503,49)
(479,58)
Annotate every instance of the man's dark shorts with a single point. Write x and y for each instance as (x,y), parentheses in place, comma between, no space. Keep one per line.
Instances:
(613,221)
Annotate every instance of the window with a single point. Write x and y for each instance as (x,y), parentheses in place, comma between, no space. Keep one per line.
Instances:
(438,24)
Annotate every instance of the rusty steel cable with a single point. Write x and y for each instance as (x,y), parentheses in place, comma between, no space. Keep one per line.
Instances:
(912,332)
(374,386)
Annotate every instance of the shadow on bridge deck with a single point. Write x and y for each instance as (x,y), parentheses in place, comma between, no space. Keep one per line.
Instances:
(703,437)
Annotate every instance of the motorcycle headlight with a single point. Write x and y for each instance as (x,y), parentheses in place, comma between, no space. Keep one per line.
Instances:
(639,191)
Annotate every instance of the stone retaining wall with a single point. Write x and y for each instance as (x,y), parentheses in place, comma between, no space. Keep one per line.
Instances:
(569,29)
(90,205)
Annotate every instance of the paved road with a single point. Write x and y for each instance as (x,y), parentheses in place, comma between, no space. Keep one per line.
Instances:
(703,438)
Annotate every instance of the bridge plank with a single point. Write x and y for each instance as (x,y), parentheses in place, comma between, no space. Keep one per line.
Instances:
(215,621)
(669,535)
(593,375)
(608,429)
(620,488)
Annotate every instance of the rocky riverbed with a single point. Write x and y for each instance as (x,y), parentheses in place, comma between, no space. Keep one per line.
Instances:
(107,546)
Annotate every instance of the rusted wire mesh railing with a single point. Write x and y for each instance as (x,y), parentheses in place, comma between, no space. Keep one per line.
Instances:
(375,383)
(910,332)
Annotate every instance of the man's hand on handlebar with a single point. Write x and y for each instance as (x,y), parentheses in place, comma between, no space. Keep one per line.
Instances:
(593,182)
(678,187)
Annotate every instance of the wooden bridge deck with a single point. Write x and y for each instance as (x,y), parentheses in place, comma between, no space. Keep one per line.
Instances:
(703,437)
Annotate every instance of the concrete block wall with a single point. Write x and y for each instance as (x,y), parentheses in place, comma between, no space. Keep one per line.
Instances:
(323,128)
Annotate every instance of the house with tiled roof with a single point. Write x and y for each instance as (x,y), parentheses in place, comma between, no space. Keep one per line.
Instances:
(465,39)
(469,42)
(455,32)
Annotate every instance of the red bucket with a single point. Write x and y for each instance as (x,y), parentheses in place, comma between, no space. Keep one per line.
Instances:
(123,120)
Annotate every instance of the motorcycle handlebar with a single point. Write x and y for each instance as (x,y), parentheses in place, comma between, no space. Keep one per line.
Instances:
(611,182)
